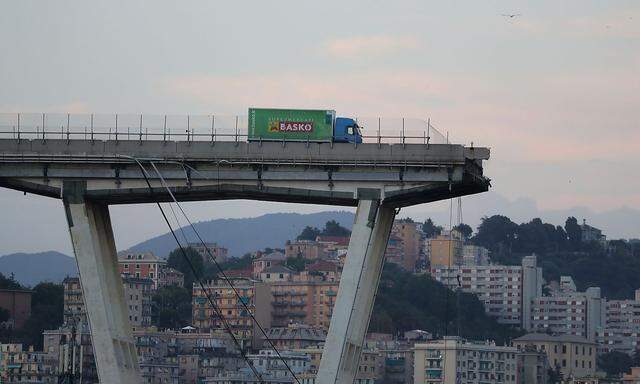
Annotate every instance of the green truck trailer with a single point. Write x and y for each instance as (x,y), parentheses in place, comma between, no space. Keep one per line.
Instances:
(317,125)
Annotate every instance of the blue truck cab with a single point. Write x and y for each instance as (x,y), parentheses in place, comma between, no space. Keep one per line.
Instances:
(346,130)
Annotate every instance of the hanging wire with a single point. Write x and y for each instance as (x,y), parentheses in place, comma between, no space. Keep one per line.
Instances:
(195,274)
(221,270)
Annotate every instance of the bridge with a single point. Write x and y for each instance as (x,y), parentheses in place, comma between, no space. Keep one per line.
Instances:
(89,171)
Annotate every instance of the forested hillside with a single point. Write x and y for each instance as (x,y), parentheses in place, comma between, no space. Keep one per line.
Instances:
(561,251)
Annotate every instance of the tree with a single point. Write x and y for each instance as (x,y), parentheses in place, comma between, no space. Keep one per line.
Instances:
(172,307)
(430,229)
(498,234)
(554,375)
(574,232)
(47,306)
(464,229)
(296,263)
(614,363)
(178,261)
(333,228)
(308,233)
(9,282)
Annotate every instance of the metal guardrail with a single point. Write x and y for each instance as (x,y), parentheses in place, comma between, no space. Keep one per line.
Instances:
(43,126)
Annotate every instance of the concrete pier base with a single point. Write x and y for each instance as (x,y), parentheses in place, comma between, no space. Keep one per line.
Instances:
(95,251)
(356,295)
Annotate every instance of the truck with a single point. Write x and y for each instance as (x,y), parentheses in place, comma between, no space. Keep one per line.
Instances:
(310,125)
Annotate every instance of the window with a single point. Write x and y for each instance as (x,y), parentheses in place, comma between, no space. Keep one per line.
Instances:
(564,363)
(350,130)
(564,350)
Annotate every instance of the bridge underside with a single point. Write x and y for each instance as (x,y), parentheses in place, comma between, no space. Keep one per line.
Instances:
(90,176)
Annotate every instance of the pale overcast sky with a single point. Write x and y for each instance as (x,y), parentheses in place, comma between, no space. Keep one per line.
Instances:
(554,92)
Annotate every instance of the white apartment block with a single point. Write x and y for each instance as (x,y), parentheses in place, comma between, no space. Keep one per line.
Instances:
(456,361)
(475,255)
(621,331)
(506,291)
(577,314)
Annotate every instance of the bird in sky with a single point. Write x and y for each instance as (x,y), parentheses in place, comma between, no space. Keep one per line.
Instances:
(511,15)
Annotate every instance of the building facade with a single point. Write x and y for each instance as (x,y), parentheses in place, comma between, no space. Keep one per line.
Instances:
(456,361)
(141,265)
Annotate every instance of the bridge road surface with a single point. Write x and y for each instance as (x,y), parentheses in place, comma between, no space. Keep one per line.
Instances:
(89,175)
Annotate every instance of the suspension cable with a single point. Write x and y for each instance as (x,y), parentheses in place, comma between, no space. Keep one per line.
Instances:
(216,309)
(224,275)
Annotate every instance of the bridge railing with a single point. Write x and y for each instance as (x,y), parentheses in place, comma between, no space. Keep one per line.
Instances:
(43,126)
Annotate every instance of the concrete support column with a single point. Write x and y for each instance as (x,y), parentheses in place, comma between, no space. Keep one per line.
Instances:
(357,292)
(95,251)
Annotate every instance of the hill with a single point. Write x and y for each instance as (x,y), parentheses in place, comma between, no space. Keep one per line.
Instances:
(30,269)
(248,234)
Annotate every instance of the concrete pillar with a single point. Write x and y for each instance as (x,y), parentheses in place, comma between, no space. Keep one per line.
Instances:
(357,292)
(95,251)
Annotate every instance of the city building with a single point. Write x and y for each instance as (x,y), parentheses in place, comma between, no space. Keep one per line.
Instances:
(503,289)
(296,336)
(446,250)
(73,302)
(71,349)
(138,294)
(160,371)
(303,302)
(137,291)
(574,356)
(254,299)
(407,247)
(264,261)
(577,314)
(206,250)
(621,330)
(25,366)
(533,366)
(453,360)
(18,303)
(474,255)
(141,265)
(589,233)
(169,277)
(326,270)
(276,273)
(307,249)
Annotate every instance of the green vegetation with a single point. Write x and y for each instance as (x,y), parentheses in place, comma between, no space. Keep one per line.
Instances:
(172,307)
(193,259)
(308,233)
(331,228)
(430,229)
(406,301)
(561,251)
(9,282)
(617,363)
(297,263)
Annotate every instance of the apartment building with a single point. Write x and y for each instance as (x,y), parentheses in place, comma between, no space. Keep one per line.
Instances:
(303,302)
(264,261)
(307,249)
(503,289)
(453,360)
(73,302)
(18,303)
(574,313)
(296,336)
(18,365)
(574,356)
(141,265)
(137,293)
(254,298)
(72,350)
(474,255)
(206,250)
(169,276)
(446,250)
(406,244)
(621,330)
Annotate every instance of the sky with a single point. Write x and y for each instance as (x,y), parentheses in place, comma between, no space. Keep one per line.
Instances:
(554,92)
